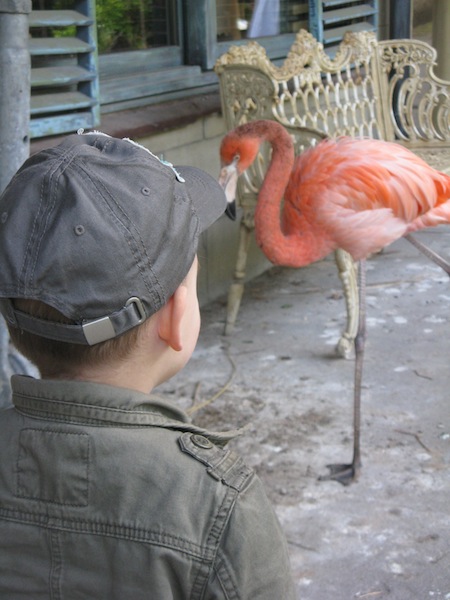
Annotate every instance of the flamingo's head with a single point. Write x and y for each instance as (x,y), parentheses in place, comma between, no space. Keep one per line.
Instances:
(236,153)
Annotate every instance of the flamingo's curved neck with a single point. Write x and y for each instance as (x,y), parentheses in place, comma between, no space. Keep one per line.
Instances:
(294,247)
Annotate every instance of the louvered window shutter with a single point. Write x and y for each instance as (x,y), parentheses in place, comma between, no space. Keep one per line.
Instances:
(330,19)
(64,73)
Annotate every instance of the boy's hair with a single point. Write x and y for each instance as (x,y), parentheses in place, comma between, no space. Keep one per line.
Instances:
(62,359)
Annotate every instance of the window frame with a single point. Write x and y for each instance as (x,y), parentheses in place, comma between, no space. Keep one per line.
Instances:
(139,78)
(192,61)
(202,47)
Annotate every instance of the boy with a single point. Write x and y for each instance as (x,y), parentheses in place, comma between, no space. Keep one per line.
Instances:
(106,492)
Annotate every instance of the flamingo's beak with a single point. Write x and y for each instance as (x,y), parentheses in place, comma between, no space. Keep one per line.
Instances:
(228,180)
(230,210)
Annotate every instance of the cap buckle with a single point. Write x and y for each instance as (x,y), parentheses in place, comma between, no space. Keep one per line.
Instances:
(98,331)
(139,306)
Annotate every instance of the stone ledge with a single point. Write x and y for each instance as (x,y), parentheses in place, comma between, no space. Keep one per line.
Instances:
(145,121)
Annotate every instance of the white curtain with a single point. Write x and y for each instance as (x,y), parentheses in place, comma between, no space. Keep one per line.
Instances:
(265,19)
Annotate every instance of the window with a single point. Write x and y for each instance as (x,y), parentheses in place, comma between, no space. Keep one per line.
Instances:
(92,56)
(135,25)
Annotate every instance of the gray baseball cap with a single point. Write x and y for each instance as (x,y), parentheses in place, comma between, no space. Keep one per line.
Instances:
(103,231)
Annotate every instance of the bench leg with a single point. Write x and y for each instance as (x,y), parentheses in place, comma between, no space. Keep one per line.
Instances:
(237,287)
(347,270)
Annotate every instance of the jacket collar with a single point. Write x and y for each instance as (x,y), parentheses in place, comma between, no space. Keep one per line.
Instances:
(81,402)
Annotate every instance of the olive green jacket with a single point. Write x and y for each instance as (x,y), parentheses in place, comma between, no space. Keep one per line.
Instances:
(110,494)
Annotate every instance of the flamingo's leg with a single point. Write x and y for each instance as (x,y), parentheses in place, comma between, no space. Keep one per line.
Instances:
(429,253)
(347,473)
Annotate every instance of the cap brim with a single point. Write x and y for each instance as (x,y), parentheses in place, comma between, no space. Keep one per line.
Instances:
(207,196)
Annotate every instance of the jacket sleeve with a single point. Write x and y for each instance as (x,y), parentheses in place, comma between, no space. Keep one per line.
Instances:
(252,561)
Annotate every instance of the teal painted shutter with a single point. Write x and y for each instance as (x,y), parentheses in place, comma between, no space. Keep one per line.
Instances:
(64,73)
(330,19)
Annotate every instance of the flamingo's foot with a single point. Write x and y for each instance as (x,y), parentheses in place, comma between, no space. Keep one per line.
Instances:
(343,473)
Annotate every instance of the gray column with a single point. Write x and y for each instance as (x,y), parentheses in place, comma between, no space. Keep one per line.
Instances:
(14,87)
(400,17)
(14,144)
(441,37)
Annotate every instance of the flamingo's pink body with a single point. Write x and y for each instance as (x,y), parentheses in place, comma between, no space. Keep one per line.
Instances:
(356,194)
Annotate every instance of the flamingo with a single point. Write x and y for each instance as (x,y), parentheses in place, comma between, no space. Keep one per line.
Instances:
(355,194)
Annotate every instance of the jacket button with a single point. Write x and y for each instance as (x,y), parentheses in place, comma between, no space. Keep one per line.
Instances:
(201,441)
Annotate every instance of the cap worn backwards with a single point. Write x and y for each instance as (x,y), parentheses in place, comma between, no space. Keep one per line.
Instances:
(103,231)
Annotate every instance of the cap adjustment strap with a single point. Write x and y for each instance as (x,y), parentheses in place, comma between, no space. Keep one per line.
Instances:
(87,333)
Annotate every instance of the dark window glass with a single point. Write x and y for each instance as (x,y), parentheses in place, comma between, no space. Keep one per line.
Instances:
(130,25)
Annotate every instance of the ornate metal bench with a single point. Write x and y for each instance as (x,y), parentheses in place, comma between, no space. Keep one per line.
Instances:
(385,90)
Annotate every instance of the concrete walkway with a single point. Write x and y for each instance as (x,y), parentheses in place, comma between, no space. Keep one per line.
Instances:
(388,535)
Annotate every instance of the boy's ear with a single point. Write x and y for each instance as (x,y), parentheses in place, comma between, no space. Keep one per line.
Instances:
(169,324)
